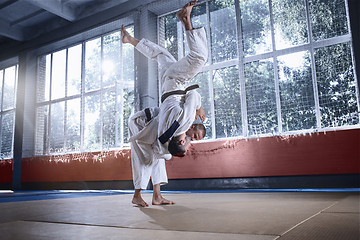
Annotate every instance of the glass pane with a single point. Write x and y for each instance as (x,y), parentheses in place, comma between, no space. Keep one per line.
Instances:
(7,134)
(289,23)
(336,85)
(57,127)
(227,102)
(41,132)
(128,63)
(43,78)
(92,124)
(223,30)
(9,88)
(170,34)
(260,97)
(47,78)
(255,21)
(93,64)
(198,16)
(203,80)
(296,92)
(111,62)
(58,75)
(74,70)
(109,118)
(73,114)
(328,18)
(126,99)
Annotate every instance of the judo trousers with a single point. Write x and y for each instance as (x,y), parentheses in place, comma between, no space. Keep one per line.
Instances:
(142,171)
(174,74)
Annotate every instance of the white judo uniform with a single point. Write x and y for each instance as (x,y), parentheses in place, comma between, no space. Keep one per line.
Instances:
(177,112)
(146,160)
(149,139)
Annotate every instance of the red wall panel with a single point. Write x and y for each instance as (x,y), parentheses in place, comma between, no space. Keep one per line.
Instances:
(321,153)
(335,152)
(101,166)
(6,171)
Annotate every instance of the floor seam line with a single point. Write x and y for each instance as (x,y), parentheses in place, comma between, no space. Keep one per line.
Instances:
(305,220)
(124,227)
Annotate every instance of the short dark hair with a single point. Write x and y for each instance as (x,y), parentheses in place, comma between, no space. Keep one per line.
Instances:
(175,148)
(200,127)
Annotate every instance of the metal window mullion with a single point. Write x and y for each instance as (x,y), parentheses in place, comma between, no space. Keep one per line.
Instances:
(277,95)
(219,65)
(241,64)
(212,103)
(1,110)
(276,73)
(118,124)
(122,115)
(65,107)
(47,147)
(211,73)
(120,103)
(119,98)
(298,48)
(15,84)
(161,41)
(101,92)
(313,67)
(2,91)
(14,108)
(82,98)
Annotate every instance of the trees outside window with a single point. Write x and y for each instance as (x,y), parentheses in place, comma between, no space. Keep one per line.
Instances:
(275,66)
(8,85)
(85,95)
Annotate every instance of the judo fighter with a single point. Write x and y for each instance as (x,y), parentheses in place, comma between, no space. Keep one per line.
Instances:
(147,156)
(156,132)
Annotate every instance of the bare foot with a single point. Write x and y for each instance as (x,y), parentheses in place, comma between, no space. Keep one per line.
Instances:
(161,201)
(139,202)
(184,14)
(126,38)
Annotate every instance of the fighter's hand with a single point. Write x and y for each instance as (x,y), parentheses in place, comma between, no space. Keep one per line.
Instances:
(201,113)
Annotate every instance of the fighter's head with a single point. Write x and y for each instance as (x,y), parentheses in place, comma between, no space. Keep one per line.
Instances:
(179,145)
(196,132)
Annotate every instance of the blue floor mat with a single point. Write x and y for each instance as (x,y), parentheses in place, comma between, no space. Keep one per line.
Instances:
(18,196)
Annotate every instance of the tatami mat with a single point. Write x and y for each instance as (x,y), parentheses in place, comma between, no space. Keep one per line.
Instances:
(329,226)
(253,216)
(36,231)
(350,204)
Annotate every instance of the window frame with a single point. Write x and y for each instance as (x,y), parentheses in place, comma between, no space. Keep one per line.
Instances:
(66,44)
(242,60)
(7,65)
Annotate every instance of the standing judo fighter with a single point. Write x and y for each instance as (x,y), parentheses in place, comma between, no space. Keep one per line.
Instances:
(180,104)
(147,158)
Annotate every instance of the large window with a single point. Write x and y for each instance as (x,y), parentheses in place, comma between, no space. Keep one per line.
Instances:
(85,95)
(275,66)
(8,80)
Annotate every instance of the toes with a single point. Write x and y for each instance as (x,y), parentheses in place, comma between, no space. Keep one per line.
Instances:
(140,203)
(163,202)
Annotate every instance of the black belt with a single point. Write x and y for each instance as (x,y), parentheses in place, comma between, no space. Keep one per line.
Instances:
(148,114)
(178,92)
